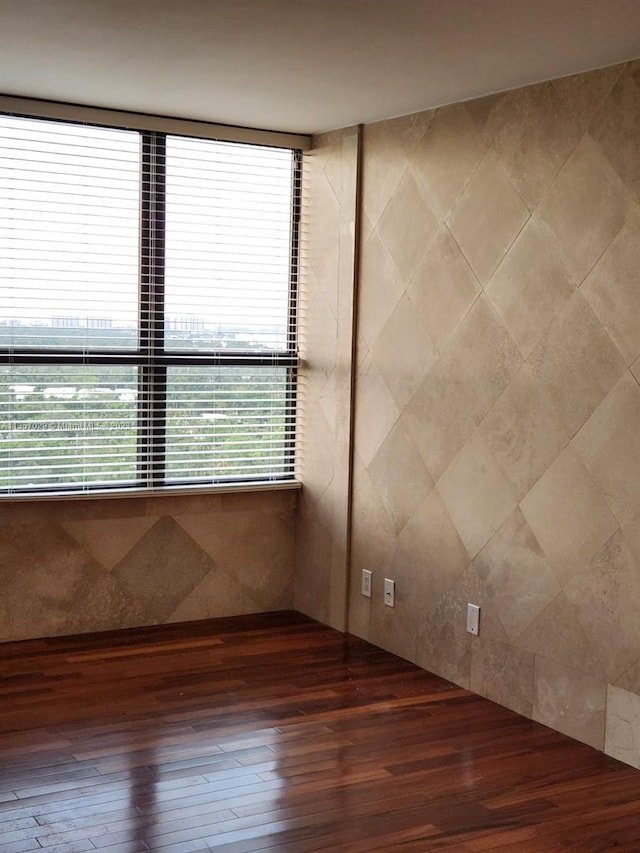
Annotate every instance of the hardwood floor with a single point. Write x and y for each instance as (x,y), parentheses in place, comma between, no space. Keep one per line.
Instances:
(274,733)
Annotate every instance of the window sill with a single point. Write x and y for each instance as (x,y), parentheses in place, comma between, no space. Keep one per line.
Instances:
(177,491)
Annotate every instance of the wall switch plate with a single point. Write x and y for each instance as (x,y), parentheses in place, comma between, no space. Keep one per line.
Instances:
(389,592)
(365,589)
(473,619)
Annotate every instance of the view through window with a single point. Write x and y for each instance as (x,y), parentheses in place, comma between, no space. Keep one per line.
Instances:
(147,309)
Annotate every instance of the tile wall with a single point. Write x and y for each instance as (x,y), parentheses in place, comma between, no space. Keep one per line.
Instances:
(497,409)
(326,354)
(77,566)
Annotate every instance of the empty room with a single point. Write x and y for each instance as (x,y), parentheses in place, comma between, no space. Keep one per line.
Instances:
(319,426)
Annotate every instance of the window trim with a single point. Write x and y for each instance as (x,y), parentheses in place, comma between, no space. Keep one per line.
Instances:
(149,357)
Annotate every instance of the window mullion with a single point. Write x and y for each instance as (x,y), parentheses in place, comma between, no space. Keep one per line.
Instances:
(153,380)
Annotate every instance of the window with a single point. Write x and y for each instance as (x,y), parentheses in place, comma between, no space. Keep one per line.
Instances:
(147,309)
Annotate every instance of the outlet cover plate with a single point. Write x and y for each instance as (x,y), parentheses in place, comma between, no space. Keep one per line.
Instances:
(366,583)
(389,592)
(473,619)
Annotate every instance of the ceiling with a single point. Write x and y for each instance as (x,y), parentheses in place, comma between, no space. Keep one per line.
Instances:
(301,65)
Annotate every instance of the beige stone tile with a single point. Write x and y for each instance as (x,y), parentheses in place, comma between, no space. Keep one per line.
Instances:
(584,94)
(313,557)
(481,110)
(399,475)
(609,446)
(318,332)
(255,547)
(577,377)
(477,495)
(516,576)
(384,162)
(217,594)
(584,208)
(534,136)
(315,446)
(406,226)
(430,554)
(635,370)
(568,515)
(607,600)
(569,701)
(395,628)
(162,569)
(443,287)
(530,287)
(108,541)
(616,128)
(373,530)
(51,586)
(404,352)
(631,534)
(523,431)
(439,418)
(483,357)
(321,218)
(613,292)
(160,504)
(622,730)
(375,411)
(503,674)
(410,130)
(447,156)
(557,634)
(380,288)
(487,218)
(443,645)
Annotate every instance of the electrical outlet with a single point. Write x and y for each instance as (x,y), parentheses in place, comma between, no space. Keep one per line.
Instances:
(473,619)
(389,592)
(365,589)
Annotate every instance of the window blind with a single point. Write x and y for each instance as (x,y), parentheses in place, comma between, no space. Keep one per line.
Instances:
(147,309)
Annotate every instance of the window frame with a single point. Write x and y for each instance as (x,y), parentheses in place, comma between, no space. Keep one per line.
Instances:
(151,357)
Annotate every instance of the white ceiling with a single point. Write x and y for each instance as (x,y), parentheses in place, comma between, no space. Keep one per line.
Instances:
(301,65)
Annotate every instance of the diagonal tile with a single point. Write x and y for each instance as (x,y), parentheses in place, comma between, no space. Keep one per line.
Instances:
(524,432)
(406,226)
(380,289)
(607,600)
(487,218)
(613,292)
(477,495)
(375,411)
(616,128)
(584,208)
(534,136)
(400,476)
(568,515)
(609,446)
(430,545)
(167,548)
(439,418)
(404,352)
(443,287)
(109,540)
(382,167)
(516,575)
(447,156)
(557,634)
(622,733)
(584,94)
(577,377)
(569,701)
(530,287)
(483,357)
(502,673)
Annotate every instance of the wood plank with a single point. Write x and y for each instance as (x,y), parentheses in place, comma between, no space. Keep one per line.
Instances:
(274,733)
